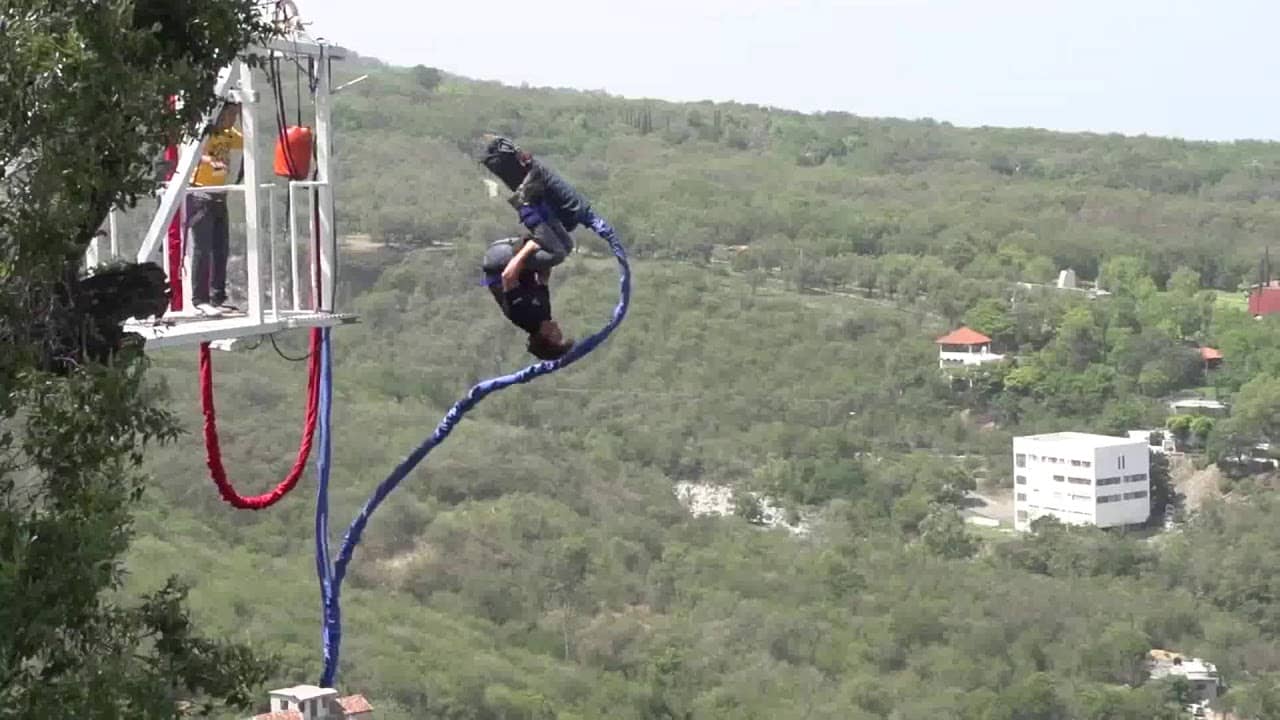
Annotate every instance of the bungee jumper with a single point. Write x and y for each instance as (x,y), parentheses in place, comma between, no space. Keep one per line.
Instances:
(517,269)
(527,303)
(332,571)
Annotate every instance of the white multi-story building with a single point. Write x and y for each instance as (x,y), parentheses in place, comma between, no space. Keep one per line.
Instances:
(1082,479)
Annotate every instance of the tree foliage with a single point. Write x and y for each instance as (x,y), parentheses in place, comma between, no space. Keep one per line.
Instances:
(82,115)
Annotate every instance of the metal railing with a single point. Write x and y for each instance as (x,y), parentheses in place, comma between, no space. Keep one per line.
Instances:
(109,236)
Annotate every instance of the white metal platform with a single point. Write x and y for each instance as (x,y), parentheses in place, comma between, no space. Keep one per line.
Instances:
(178,330)
(305,258)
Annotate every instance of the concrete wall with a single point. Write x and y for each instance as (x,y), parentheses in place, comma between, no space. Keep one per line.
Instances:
(1132,464)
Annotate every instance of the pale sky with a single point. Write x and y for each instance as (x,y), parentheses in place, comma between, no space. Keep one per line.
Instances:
(1198,69)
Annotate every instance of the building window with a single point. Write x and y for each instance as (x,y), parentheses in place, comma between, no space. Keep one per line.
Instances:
(1140,477)
(1022,497)
(1108,481)
(1081,497)
(1022,516)
(1079,481)
(1135,495)
(1104,499)
(1020,460)
(1020,479)
(1120,462)
(1058,478)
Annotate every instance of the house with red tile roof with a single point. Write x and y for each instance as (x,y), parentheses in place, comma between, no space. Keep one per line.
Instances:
(308,702)
(355,707)
(965,347)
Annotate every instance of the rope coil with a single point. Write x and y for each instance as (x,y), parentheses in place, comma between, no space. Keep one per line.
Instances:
(213,452)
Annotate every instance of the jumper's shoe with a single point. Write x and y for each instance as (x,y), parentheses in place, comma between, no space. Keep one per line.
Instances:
(208,310)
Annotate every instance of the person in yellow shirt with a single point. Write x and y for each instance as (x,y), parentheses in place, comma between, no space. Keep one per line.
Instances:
(207,216)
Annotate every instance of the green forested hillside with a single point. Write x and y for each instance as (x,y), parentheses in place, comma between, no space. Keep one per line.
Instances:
(539,565)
